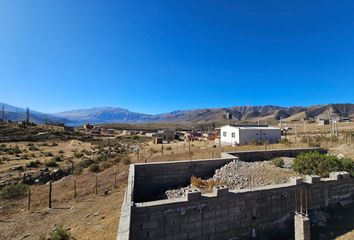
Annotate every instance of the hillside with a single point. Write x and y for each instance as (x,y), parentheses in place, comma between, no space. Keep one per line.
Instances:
(265,114)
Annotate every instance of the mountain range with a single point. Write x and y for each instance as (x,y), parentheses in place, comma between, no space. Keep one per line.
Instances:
(248,114)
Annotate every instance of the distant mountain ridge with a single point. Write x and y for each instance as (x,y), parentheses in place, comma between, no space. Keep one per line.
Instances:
(266,113)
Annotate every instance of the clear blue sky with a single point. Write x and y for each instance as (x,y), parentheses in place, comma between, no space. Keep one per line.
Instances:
(158,56)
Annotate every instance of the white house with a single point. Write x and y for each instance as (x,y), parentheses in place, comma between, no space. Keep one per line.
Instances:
(241,135)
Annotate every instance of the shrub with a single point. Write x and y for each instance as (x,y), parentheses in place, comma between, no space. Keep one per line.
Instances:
(153,150)
(94,167)
(106,164)
(126,160)
(77,170)
(33,164)
(54,144)
(59,233)
(321,164)
(169,148)
(14,191)
(279,162)
(51,163)
(85,162)
(78,154)
(61,151)
(33,148)
(2,159)
(48,154)
(285,141)
(57,159)
(24,156)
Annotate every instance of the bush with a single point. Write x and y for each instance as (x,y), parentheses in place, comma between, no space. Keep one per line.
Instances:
(77,170)
(279,162)
(61,151)
(94,167)
(321,164)
(78,154)
(48,154)
(126,160)
(14,191)
(285,141)
(33,164)
(51,163)
(169,148)
(57,159)
(106,164)
(59,233)
(33,148)
(153,150)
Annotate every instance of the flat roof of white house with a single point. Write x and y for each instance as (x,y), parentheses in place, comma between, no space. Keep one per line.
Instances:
(261,127)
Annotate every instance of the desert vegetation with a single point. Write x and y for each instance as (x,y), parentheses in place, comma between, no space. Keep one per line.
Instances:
(322,164)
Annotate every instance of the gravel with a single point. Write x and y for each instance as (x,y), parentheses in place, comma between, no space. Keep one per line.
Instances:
(241,175)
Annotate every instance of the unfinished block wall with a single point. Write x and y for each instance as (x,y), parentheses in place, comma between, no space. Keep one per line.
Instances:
(228,214)
(222,214)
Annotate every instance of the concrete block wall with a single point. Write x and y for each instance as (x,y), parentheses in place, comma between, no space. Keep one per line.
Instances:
(153,179)
(226,214)
(222,214)
(261,155)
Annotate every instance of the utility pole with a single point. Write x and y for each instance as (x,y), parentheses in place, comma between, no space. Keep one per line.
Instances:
(3,112)
(27,116)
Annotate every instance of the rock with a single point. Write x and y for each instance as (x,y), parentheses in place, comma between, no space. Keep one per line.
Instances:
(238,175)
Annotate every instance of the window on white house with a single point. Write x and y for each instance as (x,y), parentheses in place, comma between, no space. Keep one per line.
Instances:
(233,135)
(224,134)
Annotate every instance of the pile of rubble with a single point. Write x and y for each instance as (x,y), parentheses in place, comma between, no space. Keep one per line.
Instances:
(238,175)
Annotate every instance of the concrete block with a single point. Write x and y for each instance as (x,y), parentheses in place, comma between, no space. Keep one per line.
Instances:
(195,234)
(312,179)
(296,180)
(221,190)
(180,236)
(194,218)
(187,227)
(339,175)
(193,194)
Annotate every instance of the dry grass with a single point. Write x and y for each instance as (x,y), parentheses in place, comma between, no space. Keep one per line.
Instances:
(80,215)
(205,185)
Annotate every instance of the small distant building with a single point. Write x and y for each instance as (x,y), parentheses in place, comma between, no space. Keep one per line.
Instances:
(68,129)
(344,119)
(166,135)
(158,140)
(321,121)
(88,126)
(241,135)
(110,131)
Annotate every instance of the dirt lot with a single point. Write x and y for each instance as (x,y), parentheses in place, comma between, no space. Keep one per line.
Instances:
(96,216)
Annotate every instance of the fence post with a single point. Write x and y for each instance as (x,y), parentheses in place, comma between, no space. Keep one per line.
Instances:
(115,180)
(189,148)
(74,189)
(96,185)
(72,168)
(50,195)
(29,199)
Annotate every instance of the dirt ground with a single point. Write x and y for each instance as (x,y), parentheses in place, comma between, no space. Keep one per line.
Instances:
(93,216)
